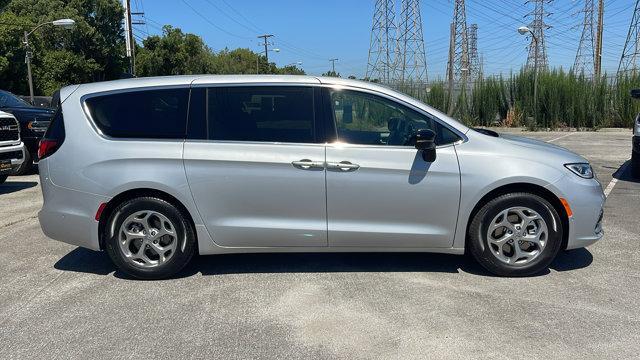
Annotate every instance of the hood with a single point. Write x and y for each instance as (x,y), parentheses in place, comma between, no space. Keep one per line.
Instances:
(549,150)
(30,113)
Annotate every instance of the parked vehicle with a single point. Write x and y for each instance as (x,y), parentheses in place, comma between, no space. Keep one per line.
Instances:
(11,147)
(153,170)
(635,150)
(33,124)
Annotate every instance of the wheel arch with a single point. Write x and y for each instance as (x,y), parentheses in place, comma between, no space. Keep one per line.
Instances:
(528,188)
(135,193)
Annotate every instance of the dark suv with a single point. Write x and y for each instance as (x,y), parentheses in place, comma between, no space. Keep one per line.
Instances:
(33,124)
(635,153)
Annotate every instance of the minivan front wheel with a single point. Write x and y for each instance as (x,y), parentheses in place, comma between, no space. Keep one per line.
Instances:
(516,234)
(149,238)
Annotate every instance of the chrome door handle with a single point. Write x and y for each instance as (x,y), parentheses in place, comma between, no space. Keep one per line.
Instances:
(306,164)
(343,165)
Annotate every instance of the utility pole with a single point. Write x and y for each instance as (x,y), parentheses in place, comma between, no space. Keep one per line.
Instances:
(585,56)
(631,52)
(128,33)
(265,39)
(380,63)
(411,60)
(333,65)
(598,55)
(537,49)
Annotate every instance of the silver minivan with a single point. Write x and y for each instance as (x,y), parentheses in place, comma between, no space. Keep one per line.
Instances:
(153,170)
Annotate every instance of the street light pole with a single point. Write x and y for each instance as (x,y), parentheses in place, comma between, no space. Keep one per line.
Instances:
(525,30)
(64,23)
(535,81)
(27,59)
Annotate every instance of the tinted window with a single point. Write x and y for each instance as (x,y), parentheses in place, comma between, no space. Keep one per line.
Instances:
(271,114)
(152,114)
(367,119)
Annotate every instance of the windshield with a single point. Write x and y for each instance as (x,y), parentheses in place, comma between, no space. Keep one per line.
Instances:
(10,100)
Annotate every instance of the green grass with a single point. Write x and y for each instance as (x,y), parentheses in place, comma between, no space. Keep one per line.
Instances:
(564,100)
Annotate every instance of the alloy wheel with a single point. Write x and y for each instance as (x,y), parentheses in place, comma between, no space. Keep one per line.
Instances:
(517,235)
(147,238)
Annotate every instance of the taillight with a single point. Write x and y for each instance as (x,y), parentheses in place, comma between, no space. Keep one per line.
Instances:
(54,137)
(46,148)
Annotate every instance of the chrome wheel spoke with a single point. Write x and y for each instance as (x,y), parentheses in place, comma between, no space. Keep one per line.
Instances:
(517,235)
(148,238)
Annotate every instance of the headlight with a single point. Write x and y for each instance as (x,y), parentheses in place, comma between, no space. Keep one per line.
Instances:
(38,126)
(583,170)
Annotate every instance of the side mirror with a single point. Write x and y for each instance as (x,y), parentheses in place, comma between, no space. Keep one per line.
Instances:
(426,143)
(635,93)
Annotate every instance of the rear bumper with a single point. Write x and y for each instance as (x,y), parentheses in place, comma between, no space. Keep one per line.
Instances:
(16,157)
(69,215)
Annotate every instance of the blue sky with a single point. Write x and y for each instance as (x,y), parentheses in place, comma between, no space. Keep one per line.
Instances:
(315,31)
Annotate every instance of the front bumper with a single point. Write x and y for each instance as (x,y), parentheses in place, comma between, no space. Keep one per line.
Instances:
(586,199)
(13,153)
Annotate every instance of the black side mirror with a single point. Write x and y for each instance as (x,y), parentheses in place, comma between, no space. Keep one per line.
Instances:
(426,143)
(635,93)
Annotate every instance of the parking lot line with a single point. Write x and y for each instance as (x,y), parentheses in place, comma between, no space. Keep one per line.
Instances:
(614,180)
(561,137)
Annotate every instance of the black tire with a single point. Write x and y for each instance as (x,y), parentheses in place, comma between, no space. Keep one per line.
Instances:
(478,245)
(3,178)
(27,165)
(185,237)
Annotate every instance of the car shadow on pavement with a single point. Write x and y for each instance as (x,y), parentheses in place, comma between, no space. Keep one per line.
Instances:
(14,186)
(624,173)
(95,262)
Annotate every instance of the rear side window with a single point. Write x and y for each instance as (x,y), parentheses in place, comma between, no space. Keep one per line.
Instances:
(269,114)
(144,114)
(55,131)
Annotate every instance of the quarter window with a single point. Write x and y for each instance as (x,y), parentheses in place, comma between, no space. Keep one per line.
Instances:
(146,114)
(270,114)
(368,119)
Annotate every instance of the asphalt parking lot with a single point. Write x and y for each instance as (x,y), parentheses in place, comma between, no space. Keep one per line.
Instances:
(59,301)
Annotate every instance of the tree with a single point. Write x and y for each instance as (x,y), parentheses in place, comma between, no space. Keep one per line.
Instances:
(331,73)
(92,51)
(173,53)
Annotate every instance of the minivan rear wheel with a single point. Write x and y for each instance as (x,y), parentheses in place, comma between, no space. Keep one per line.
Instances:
(149,238)
(516,234)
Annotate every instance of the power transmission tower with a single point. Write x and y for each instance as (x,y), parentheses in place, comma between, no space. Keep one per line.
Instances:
(598,55)
(475,70)
(585,56)
(381,58)
(411,60)
(458,65)
(537,48)
(631,52)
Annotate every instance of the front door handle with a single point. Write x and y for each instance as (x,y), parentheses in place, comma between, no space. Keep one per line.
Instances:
(306,164)
(343,166)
